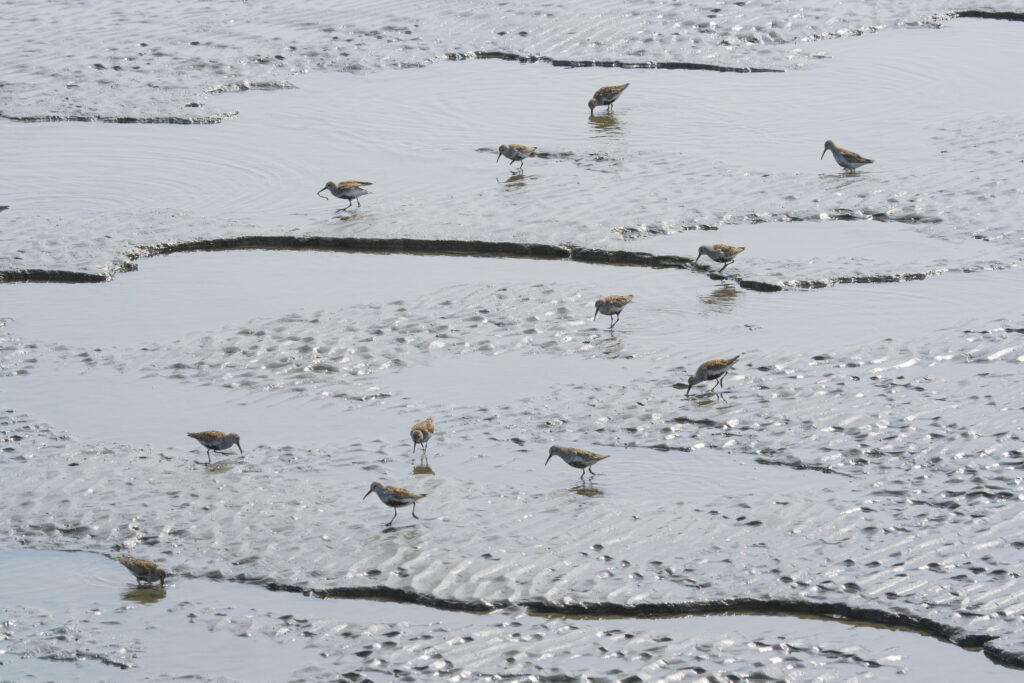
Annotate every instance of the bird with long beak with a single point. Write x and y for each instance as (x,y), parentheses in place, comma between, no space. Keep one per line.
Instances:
(515,153)
(709,370)
(144,571)
(217,441)
(576,457)
(421,433)
(606,96)
(719,253)
(394,497)
(844,157)
(346,189)
(611,306)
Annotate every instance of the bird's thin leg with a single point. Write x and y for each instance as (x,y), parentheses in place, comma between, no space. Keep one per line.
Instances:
(613,322)
(723,267)
(591,468)
(413,510)
(349,203)
(208,456)
(583,470)
(392,517)
(357,202)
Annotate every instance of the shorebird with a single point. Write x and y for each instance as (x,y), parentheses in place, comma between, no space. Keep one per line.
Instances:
(144,570)
(709,370)
(844,157)
(346,189)
(576,457)
(421,433)
(719,253)
(611,306)
(217,441)
(606,96)
(395,497)
(515,153)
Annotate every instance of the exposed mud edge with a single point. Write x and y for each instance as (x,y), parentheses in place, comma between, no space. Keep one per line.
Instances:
(825,610)
(431,247)
(56,276)
(985,14)
(175,120)
(607,64)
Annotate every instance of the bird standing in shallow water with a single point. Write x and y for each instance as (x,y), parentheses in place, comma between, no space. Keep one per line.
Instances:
(217,441)
(515,153)
(576,457)
(421,433)
(395,497)
(144,570)
(611,306)
(606,96)
(844,157)
(709,370)
(346,189)
(720,253)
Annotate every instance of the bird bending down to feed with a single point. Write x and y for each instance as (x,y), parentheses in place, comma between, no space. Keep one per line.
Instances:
(844,157)
(217,441)
(421,433)
(145,571)
(606,96)
(346,189)
(515,153)
(394,497)
(709,370)
(576,457)
(719,253)
(611,306)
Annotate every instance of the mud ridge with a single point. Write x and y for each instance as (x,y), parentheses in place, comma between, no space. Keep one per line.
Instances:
(831,610)
(176,120)
(606,64)
(432,247)
(987,14)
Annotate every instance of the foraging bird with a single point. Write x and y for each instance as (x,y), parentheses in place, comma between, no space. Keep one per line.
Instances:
(394,497)
(144,570)
(720,253)
(611,306)
(576,457)
(515,153)
(606,96)
(421,433)
(709,370)
(844,157)
(346,189)
(217,441)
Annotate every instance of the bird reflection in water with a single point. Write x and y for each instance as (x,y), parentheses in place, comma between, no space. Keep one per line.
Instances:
(722,298)
(423,467)
(587,489)
(606,125)
(516,181)
(145,595)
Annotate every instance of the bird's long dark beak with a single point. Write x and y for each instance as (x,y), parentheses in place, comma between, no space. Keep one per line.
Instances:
(239,444)
(499,158)
(549,458)
(321,190)
(823,153)
(368,493)
(595,312)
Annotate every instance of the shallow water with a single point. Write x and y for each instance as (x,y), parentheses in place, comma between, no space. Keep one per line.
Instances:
(212,630)
(862,460)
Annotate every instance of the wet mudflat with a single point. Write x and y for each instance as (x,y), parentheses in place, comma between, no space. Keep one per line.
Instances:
(862,463)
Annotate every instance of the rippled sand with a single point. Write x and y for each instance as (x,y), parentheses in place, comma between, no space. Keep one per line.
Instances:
(861,462)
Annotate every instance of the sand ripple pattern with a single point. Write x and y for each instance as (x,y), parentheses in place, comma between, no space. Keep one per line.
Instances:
(160,62)
(872,510)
